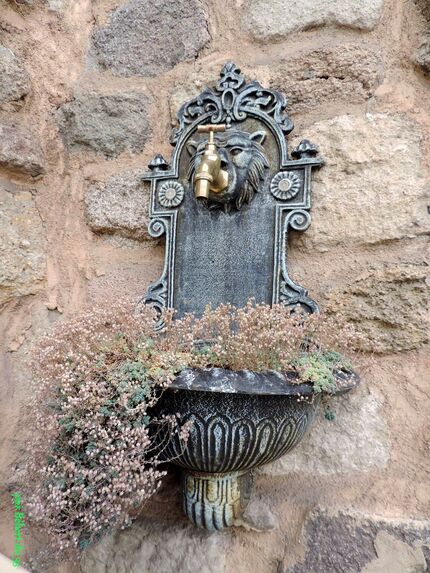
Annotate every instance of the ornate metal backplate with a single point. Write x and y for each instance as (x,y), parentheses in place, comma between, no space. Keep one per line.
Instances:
(282,203)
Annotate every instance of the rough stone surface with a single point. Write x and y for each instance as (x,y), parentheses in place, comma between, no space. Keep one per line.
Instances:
(395,556)
(275,19)
(20,149)
(108,124)
(371,188)
(356,440)
(424,8)
(258,517)
(119,206)
(22,2)
(357,543)
(147,38)
(57,5)
(150,547)
(15,81)
(22,243)
(422,56)
(344,72)
(389,305)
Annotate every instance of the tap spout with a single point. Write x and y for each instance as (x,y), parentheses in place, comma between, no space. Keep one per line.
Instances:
(209,176)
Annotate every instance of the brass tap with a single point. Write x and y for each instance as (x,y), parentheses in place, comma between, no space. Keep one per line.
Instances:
(209,176)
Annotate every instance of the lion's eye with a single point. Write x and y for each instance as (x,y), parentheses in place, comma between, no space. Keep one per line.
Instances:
(236,150)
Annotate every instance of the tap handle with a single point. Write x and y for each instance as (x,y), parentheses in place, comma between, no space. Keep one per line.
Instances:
(211,129)
(207,128)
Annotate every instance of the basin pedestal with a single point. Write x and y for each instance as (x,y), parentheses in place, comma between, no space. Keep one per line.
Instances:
(214,501)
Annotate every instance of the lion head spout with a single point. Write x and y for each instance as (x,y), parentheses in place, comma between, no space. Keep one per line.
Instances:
(242,156)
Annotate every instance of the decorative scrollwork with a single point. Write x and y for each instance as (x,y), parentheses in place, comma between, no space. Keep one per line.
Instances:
(298,220)
(231,101)
(157,228)
(294,296)
(157,294)
(157,297)
(291,294)
(285,185)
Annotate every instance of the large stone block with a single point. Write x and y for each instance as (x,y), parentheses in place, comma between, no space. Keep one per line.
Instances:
(422,55)
(22,244)
(389,305)
(151,547)
(15,81)
(147,38)
(358,543)
(20,149)
(356,441)
(372,187)
(119,206)
(347,72)
(108,124)
(275,19)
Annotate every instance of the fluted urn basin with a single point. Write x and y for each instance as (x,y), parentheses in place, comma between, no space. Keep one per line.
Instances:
(240,421)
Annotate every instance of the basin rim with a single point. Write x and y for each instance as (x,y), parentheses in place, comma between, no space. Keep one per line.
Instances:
(270,382)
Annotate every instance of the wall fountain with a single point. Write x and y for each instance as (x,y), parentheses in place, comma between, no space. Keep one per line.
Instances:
(225,205)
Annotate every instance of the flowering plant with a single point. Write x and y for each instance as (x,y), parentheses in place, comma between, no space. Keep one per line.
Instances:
(94,453)
(260,337)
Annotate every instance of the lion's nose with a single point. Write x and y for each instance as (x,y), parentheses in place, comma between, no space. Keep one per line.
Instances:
(224,159)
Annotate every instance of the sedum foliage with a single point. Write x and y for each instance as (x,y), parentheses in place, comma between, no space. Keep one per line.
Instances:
(319,368)
(92,461)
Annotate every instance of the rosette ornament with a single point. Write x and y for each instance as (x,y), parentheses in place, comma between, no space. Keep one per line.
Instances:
(285,185)
(170,194)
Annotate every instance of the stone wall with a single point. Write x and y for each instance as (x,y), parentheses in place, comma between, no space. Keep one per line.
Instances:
(88,94)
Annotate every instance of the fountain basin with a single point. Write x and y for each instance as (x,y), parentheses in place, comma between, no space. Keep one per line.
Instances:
(240,421)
